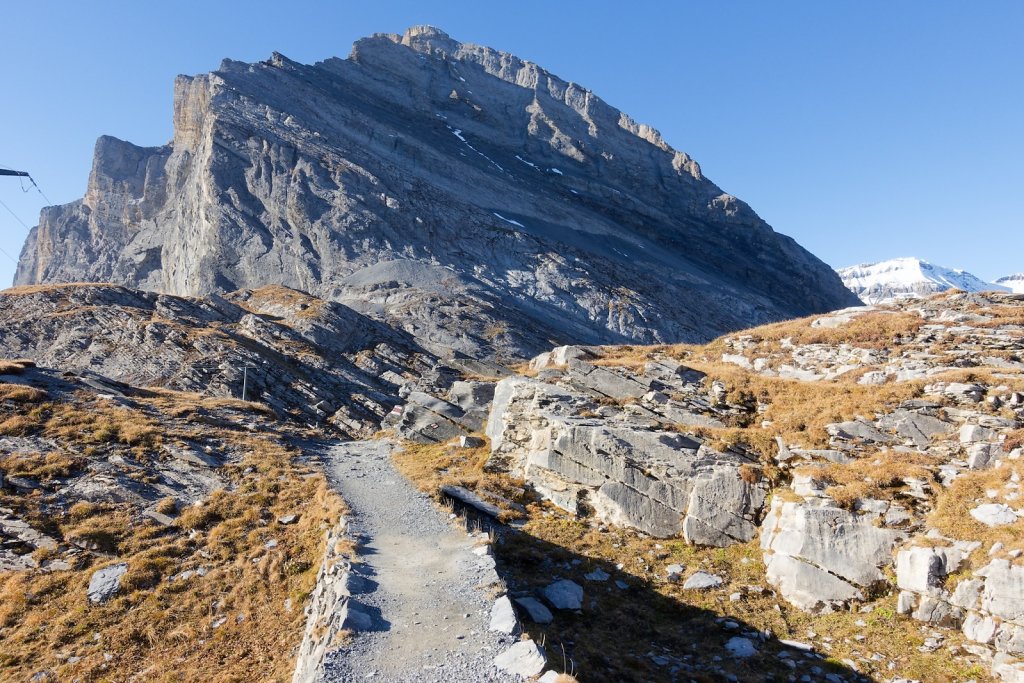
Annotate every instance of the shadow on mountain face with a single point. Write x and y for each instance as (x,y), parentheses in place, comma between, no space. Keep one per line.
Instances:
(628,631)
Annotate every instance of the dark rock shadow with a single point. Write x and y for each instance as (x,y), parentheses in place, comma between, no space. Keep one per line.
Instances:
(628,631)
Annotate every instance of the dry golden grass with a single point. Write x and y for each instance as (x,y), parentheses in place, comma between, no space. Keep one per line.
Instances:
(16,366)
(432,466)
(19,393)
(185,403)
(223,626)
(952,509)
(305,305)
(873,330)
(55,465)
(874,476)
(1013,380)
(1014,439)
(799,410)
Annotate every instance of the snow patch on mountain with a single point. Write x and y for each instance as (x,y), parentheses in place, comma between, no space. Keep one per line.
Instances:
(909,277)
(1015,282)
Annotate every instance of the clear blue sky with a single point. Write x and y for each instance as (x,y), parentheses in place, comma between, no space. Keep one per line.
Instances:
(866,130)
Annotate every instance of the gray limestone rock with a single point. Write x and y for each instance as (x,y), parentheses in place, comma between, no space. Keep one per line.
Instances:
(702,581)
(663,483)
(524,659)
(740,647)
(474,199)
(503,617)
(564,594)
(916,427)
(318,361)
(821,556)
(537,611)
(104,583)
(994,514)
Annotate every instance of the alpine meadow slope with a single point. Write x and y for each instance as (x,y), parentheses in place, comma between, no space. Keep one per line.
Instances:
(467,196)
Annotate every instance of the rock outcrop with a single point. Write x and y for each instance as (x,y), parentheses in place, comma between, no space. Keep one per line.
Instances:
(820,556)
(469,197)
(312,359)
(578,448)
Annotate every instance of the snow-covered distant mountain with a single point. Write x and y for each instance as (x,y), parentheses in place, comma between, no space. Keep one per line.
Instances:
(1014,282)
(900,278)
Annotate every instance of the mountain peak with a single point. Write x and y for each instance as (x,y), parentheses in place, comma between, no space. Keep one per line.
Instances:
(458,192)
(1015,282)
(908,277)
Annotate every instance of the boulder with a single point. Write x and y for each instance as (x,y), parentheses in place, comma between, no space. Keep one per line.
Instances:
(605,382)
(537,611)
(524,659)
(918,428)
(663,483)
(104,583)
(564,594)
(820,556)
(970,433)
(503,617)
(701,581)
(924,569)
(740,647)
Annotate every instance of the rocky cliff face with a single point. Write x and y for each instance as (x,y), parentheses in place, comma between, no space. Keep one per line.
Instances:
(473,198)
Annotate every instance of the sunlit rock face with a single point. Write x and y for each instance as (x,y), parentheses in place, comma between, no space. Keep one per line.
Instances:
(466,195)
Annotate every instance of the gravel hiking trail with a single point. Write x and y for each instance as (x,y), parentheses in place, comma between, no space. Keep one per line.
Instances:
(431,613)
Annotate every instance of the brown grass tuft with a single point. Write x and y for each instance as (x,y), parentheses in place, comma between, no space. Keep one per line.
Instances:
(19,393)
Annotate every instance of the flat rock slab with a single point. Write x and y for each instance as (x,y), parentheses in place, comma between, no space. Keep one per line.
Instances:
(467,497)
(740,647)
(702,580)
(994,514)
(105,582)
(564,594)
(537,611)
(524,659)
(503,617)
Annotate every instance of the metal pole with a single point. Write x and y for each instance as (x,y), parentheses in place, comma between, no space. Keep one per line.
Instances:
(245,380)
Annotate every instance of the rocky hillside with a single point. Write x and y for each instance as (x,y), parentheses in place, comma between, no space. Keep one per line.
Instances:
(823,499)
(316,361)
(151,535)
(902,278)
(472,198)
(833,498)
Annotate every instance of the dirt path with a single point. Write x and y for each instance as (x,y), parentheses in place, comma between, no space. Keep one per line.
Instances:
(424,582)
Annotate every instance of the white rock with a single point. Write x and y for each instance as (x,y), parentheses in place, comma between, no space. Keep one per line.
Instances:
(994,514)
(105,582)
(524,659)
(539,614)
(503,617)
(740,647)
(973,433)
(674,572)
(702,580)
